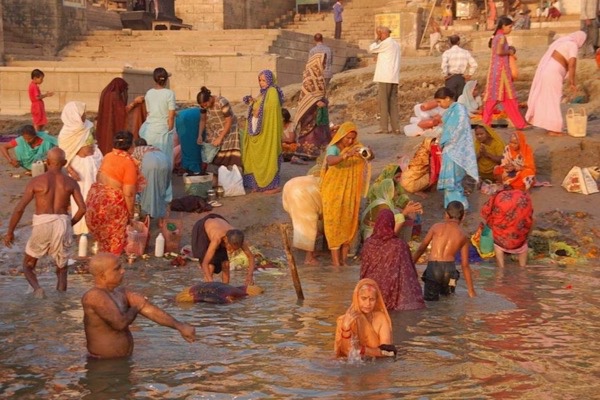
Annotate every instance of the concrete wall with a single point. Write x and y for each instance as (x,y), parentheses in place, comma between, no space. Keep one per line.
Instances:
(231,14)
(68,84)
(43,23)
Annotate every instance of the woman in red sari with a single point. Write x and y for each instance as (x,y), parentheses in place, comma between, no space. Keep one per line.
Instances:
(517,168)
(112,113)
(500,87)
(388,261)
(111,199)
(509,214)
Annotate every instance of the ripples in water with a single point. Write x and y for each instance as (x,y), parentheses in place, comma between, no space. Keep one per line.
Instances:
(530,333)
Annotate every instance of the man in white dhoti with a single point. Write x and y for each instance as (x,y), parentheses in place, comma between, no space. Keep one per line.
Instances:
(52,227)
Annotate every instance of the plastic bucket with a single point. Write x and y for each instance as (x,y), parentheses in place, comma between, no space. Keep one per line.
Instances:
(577,122)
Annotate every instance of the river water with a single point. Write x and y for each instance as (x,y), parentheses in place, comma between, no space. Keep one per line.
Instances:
(530,334)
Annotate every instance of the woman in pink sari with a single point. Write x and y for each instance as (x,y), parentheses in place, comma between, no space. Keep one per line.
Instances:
(388,261)
(500,87)
(559,62)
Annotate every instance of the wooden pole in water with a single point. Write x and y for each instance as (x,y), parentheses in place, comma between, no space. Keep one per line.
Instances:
(291,261)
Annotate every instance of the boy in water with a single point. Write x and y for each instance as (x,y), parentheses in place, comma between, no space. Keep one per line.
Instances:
(446,238)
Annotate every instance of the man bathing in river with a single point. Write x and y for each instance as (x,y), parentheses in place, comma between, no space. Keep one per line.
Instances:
(212,239)
(51,233)
(108,310)
(446,239)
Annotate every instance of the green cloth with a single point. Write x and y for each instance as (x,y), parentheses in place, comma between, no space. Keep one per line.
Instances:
(261,152)
(26,155)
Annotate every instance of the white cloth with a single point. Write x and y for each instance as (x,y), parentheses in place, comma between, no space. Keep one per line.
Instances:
(388,53)
(75,132)
(87,168)
(51,234)
(302,201)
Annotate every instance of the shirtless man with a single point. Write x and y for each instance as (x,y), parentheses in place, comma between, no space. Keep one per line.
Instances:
(212,238)
(51,233)
(446,239)
(108,310)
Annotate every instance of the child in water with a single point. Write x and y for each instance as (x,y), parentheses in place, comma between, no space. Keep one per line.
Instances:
(446,239)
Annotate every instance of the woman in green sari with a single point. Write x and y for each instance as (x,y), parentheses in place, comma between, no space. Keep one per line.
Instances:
(28,148)
(261,149)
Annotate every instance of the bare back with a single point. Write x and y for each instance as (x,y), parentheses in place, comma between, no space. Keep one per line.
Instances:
(52,192)
(216,229)
(446,240)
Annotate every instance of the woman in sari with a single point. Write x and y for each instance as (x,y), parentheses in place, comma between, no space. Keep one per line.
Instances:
(489,148)
(220,126)
(345,179)
(158,127)
(311,120)
(387,260)
(517,168)
(28,148)
(558,63)
(153,167)
(111,199)
(471,99)
(366,322)
(187,123)
(458,151)
(500,87)
(301,199)
(509,214)
(83,157)
(112,112)
(262,157)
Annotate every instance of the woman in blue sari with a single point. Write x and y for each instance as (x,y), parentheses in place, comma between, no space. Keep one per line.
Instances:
(187,123)
(29,147)
(458,150)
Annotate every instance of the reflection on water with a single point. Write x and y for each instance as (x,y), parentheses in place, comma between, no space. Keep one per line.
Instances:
(531,333)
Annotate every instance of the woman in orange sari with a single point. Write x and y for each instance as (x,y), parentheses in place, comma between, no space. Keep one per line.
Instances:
(367,322)
(345,179)
(111,199)
(517,168)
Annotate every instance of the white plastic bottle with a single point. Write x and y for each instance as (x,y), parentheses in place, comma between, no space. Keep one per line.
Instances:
(83,245)
(159,246)
(37,168)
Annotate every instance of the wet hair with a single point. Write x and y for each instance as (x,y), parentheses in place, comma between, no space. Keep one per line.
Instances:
(28,130)
(286,115)
(235,237)
(203,95)
(455,210)
(318,37)
(444,92)
(123,140)
(160,76)
(454,39)
(37,73)
(502,22)
(140,142)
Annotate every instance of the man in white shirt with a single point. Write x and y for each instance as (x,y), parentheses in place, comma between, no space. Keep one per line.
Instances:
(387,75)
(322,48)
(458,65)
(589,24)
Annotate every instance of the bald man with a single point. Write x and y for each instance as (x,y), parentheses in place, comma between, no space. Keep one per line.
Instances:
(52,227)
(108,310)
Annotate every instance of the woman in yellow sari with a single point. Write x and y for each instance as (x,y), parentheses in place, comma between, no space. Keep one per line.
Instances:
(344,181)
(367,322)
(489,148)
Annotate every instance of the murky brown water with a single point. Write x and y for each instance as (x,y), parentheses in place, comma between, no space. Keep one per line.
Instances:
(530,334)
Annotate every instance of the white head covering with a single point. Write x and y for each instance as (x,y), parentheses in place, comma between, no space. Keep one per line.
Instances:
(75,132)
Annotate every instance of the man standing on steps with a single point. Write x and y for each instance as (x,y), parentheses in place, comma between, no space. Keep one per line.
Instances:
(387,75)
(322,48)
(588,15)
(338,9)
(458,65)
